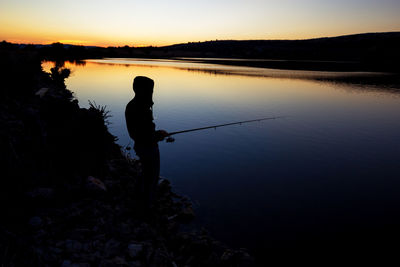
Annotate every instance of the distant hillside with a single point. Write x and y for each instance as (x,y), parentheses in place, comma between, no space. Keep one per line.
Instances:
(363,52)
(349,47)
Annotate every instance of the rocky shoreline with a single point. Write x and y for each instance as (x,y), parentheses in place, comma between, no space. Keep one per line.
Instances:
(68,191)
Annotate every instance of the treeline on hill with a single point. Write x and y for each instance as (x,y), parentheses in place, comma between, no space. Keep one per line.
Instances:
(350,47)
(371,51)
(65,52)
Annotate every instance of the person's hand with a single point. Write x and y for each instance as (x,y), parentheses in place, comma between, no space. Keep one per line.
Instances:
(161,134)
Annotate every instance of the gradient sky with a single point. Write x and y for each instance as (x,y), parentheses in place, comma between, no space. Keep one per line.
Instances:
(157,22)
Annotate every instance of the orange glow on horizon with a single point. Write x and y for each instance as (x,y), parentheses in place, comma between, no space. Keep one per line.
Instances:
(162,23)
(160,43)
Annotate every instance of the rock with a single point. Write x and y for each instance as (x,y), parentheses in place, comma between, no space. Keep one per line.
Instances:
(237,257)
(35,222)
(186,214)
(89,257)
(79,233)
(86,247)
(170,218)
(164,187)
(228,254)
(73,246)
(111,168)
(125,229)
(60,244)
(149,253)
(245,259)
(40,235)
(164,182)
(41,92)
(66,263)
(117,261)
(45,193)
(95,184)
(135,264)
(120,261)
(134,249)
(56,250)
(111,248)
(160,257)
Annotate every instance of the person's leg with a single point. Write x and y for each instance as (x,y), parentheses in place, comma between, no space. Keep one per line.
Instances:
(150,160)
(155,174)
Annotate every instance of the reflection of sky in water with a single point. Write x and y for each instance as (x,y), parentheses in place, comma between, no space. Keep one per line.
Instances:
(336,156)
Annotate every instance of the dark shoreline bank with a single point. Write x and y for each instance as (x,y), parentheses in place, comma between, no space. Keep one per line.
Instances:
(68,193)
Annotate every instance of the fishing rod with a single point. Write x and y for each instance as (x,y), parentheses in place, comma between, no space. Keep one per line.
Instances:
(170,139)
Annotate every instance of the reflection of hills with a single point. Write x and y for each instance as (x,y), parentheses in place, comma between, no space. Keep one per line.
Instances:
(385,81)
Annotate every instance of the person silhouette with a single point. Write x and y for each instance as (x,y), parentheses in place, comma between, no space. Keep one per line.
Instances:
(141,128)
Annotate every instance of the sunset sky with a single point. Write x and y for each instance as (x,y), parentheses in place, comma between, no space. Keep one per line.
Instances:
(157,22)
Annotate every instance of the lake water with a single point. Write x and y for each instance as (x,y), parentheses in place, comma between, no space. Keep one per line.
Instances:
(327,173)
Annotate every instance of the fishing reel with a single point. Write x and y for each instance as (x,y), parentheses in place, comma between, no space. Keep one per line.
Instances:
(170,139)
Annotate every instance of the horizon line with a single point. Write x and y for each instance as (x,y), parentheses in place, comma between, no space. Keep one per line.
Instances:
(182,43)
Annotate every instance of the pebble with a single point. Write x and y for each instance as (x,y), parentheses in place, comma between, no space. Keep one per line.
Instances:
(96,184)
(35,221)
(111,248)
(41,92)
(73,245)
(134,249)
(68,263)
(46,193)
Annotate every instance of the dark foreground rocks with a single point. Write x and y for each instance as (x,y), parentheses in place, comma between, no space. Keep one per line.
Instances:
(108,228)
(69,196)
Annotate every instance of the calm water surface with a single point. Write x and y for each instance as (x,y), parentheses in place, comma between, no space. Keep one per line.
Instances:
(328,171)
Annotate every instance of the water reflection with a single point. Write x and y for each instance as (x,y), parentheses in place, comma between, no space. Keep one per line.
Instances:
(328,170)
(386,80)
